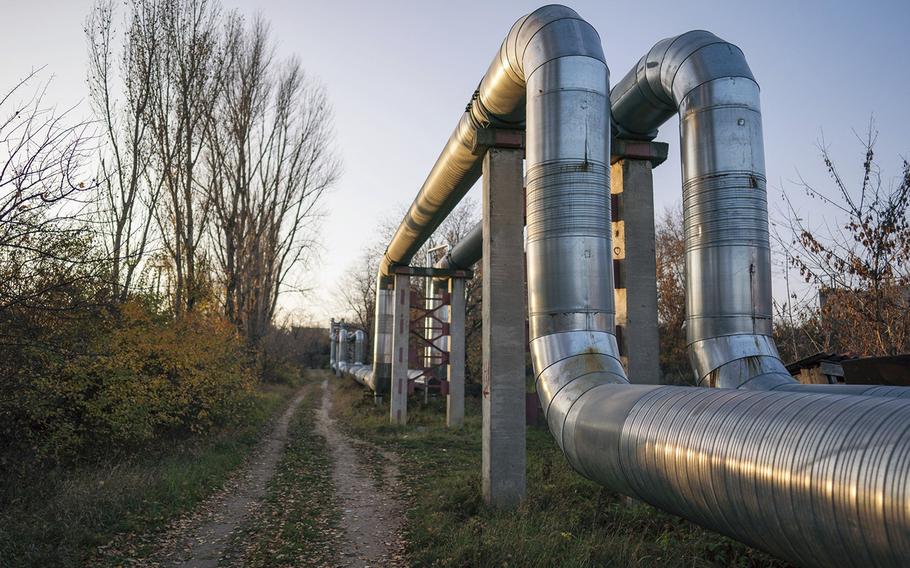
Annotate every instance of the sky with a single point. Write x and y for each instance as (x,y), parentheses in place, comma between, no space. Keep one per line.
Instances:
(399,74)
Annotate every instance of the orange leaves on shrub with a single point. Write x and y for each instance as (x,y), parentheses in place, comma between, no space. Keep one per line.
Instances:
(144,377)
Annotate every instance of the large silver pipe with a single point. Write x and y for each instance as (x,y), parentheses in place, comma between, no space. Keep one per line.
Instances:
(360,338)
(817,479)
(725,213)
(725,210)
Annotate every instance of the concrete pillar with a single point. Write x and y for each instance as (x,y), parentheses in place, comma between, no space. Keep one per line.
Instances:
(332,346)
(401,316)
(634,260)
(503,329)
(455,370)
(382,337)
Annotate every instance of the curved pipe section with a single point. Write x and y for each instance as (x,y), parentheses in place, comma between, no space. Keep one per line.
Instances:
(551,32)
(818,479)
(725,212)
(728,260)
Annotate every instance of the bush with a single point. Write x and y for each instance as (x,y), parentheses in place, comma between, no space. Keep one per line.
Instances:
(121,380)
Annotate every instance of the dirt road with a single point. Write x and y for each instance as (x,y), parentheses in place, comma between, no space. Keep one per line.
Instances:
(199,539)
(371,514)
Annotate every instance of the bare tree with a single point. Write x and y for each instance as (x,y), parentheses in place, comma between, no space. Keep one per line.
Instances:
(130,190)
(245,87)
(271,158)
(44,157)
(358,291)
(859,258)
(41,177)
(184,80)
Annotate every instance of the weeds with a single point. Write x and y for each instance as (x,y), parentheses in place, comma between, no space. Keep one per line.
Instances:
(566,520)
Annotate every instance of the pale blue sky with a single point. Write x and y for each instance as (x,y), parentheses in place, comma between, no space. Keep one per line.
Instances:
(399,74)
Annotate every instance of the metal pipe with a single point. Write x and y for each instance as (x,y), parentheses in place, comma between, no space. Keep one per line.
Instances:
(380,378)
(466,252)
(817,479)
(725,211)
(360,339)
(343,349)
(332,345)
(728,256)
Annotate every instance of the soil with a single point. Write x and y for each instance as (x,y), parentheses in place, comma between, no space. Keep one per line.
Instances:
(372,515)
(200,538)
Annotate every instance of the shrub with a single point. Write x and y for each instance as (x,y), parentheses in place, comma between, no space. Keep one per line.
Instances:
(128,378)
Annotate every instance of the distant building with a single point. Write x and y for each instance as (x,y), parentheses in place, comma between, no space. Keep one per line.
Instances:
(834,368)
(819,369)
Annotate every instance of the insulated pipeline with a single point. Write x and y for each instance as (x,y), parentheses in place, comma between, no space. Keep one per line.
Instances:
(708,82)
(820,480)
(466,252)
(817,479)
(380,376)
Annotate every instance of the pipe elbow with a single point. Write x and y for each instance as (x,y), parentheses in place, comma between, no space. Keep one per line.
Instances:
(548,33)
(661,81)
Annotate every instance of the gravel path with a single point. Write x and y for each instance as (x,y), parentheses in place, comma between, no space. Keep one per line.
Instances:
(199,540)
(371,514)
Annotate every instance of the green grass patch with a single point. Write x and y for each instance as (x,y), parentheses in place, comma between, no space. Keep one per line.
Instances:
(565,521)
(60,517)
(298,523)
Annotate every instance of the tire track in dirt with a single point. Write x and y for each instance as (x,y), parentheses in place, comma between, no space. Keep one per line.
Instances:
(371,515)
(200,539)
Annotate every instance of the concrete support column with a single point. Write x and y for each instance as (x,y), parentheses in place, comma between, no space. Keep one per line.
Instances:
(332,346)
(382,337)
(455,370)
(636,270)
(401,316)
(503,329)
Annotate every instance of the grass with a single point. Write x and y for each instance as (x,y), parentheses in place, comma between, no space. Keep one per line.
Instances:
(298,523)
(566,520)
(61,516)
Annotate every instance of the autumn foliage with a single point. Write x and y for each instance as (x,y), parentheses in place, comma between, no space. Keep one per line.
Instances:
(858,260)
(131,377)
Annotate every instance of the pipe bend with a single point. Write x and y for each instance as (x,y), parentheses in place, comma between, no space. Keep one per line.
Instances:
(653,90)
(708,82)
(815,478)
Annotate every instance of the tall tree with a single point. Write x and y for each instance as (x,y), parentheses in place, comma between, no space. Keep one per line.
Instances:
(671,294)
(271,158)
(129,189)
(185,86)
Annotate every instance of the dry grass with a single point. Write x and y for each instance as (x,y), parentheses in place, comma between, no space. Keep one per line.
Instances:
(565,521)
(61,516)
